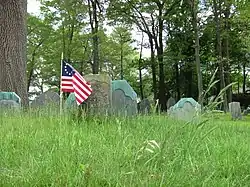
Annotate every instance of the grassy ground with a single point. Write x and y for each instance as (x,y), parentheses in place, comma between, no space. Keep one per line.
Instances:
(49,151)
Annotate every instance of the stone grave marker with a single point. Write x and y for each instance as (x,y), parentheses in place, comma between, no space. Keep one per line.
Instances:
(70,102)
(100,101)
(124,98)
(235,110)
(144,106)
(10,100)
(246,111)
(171,102)
(48,98)
(186,109)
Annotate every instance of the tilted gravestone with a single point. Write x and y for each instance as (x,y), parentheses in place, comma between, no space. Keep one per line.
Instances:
(185,109)
(235,110)
(100,100)
(171,102)
(124,98)
(9,100)
(144,106)
(48,98)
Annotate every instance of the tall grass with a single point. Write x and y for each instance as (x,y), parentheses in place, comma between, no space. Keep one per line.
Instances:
(47,150)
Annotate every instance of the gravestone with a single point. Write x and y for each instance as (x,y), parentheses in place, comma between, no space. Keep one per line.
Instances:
(246,112)
(100,100)
(124,98)
(185,109)
(48,98)
(70,102)
(170,102)
(235,110)
(9,100)
(144,106)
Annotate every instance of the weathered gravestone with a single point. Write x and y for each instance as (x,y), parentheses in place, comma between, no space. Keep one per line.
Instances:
(171,102)
(9,100)
(246,112)
(48,98)
(144,106)
(185,109)
(235,110)
(99,102)
(70,102)
(124,98)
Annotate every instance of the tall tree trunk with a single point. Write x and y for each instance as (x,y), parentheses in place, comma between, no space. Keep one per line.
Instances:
(162,87)
(32,64)
(227,28)
(177,81)
(140,68)
(244,78)
(217,15)
(189,78)
(93,19)
(13,48)
(197,53)
(153,67)
(95,40)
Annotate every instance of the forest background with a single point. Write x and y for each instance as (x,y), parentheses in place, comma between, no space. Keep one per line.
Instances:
(162,48)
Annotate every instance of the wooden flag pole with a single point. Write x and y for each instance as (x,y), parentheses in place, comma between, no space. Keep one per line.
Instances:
(61,93)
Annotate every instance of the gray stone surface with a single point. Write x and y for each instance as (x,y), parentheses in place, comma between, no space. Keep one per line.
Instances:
(48,98)
(122,104)
(186,109)
(246,112)
(9,104)
(171,102)
(235,110)
(99,102)
(144,106)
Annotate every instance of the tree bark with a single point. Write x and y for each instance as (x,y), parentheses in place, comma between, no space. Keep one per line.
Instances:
(244,78)
(94,30)
(31,71)
(217,16)
(140,68)
(13,48)
(162,87)
(152,58)
(177,81)
(228,74)
(197,53)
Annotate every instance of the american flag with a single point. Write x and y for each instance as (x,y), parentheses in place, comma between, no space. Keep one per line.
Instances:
(72,81)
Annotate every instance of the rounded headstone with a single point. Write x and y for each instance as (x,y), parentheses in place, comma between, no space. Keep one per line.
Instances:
(124,98)
(10,96)
(9,100)
(185,109)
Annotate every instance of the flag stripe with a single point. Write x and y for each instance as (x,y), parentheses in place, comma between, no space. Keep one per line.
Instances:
(72,81)
(84,87)
(83,82)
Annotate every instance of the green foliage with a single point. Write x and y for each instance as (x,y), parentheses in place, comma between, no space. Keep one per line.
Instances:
(63,26)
